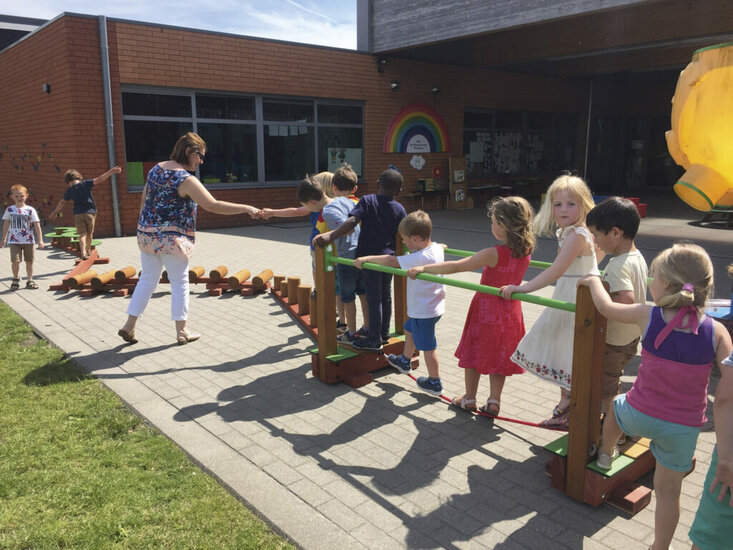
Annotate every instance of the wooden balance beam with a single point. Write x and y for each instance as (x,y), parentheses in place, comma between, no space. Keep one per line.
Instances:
(330,362)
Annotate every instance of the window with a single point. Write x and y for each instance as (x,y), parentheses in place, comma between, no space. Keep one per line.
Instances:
(251,140)
(513,142)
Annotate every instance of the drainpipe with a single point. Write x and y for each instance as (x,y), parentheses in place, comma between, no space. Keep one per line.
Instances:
(107,89)
(587,130)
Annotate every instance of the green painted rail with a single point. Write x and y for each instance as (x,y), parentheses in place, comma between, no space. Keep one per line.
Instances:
(547,302)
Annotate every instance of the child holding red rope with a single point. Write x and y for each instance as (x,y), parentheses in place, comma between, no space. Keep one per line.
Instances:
(668,400)
(491,319)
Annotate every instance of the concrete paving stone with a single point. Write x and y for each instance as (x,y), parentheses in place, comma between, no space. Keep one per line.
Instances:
(258,455)
(341,515)
(310,492)
(381,514)
(283,473)
(346,489)
(378,539)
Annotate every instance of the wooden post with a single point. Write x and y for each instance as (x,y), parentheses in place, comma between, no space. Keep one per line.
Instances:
(277,281)
(312,305)
(400,294)
(83,278)
(293,284)
(304,292)
(589,346)
(326,296)
(100,280)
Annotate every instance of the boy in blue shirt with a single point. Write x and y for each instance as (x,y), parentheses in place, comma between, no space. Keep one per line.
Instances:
(380,215)
(85,209)
(350,280)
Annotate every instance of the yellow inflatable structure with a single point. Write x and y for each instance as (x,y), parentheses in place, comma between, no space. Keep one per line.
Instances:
(701,138)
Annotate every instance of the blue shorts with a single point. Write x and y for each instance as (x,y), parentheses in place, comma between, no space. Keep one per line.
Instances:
(351,281)
(423,332)
(713,525)
(672,444)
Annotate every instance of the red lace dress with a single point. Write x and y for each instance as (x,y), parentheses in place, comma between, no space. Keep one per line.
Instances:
(494,326)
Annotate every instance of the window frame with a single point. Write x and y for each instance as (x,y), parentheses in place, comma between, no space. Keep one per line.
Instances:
(259,122)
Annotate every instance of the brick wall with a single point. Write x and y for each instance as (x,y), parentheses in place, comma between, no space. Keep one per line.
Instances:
(72,124)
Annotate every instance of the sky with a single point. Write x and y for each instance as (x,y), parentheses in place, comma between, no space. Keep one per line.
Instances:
(324,22)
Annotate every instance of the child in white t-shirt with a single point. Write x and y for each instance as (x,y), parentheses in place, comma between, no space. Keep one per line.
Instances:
(425,300)
(19,222)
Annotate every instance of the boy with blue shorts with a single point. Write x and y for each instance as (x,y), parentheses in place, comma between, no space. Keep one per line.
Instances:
(425,300)
(348,278)
(713,525)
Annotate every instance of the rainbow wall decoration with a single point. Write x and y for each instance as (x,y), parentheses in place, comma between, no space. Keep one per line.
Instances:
(416,129)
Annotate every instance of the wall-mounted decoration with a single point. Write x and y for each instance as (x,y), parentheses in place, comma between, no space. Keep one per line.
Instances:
(416,129)
(417,162)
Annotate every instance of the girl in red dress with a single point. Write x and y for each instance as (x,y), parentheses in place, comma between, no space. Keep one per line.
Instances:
(493,326)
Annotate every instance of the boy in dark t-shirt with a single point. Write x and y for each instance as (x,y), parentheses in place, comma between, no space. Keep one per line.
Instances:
(380,215)
(85,210)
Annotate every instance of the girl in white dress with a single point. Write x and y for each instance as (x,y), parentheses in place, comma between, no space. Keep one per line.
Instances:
(547,349)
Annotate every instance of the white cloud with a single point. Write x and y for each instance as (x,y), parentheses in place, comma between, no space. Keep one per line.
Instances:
(328,22)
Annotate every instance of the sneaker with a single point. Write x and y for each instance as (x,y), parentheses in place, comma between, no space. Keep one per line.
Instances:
(604,462)
(341,326)
(400,362)
(430,385)
(621,440)
(345,339)
(366,345)
(361,333)
(385,340)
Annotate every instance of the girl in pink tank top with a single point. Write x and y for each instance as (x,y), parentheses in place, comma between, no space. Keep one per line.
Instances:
(668,399)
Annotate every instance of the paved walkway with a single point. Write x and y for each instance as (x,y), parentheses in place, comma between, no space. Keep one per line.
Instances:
(382,466)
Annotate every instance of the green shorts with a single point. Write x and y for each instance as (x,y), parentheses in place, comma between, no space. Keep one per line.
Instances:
(713,525)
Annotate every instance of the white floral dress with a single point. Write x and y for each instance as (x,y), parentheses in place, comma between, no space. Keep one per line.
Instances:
(547,349)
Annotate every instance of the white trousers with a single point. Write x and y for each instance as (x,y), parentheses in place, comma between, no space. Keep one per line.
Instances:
(152,267)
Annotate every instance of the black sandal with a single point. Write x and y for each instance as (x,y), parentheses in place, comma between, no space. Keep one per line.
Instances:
(15,285)
(31,285)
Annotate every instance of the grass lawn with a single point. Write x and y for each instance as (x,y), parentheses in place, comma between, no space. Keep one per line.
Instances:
(79,470)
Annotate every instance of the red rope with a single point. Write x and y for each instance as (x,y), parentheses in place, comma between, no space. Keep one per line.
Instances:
(504,418)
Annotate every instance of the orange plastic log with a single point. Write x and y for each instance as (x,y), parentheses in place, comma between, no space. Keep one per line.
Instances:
(236,280)
(125,273)
(312,309)
(101,280)
(217,274)
(261,279)
(293,284)
(194,273)
(83,278)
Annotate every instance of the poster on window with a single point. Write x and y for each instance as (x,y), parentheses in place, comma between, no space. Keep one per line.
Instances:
(344,155)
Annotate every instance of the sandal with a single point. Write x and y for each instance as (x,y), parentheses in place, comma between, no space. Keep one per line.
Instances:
(15,285)
(465,404)
(31,285)
(491,407)
(186,337)
(127,336)
(560,419)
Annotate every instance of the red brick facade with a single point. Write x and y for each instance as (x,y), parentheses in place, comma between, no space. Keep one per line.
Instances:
(66,128)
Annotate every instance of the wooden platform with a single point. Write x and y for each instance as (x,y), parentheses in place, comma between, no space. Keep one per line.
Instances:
(351,366)
(617,486)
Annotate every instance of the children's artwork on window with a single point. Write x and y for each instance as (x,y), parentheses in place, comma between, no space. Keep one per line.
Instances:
(344,155)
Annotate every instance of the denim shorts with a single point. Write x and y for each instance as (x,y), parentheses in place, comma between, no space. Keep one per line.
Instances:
(672,444)
(351,281)
(423,332)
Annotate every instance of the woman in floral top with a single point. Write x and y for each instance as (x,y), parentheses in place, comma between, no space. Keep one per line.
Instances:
(166,231)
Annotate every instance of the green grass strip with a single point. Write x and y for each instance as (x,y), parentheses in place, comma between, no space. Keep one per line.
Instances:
(79,470)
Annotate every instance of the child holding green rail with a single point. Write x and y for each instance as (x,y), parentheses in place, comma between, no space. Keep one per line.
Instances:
(490,318)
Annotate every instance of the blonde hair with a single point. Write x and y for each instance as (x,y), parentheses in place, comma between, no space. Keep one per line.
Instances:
(325,179)
(19,187)
(416,223)
(515,215)
(684,263)
(544,222)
